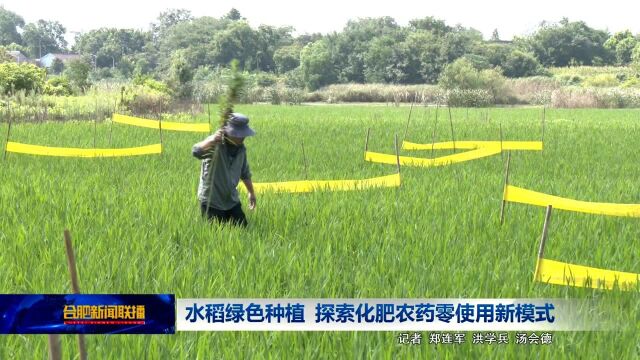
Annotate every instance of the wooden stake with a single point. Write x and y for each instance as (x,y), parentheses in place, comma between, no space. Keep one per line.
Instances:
(71,261)
(453,138)
(543,240)
(435,127)
(304,159)
(506,182)
(8,135)
(209,112)
(55,349)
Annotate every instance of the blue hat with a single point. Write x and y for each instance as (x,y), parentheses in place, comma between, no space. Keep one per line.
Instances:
(238,126)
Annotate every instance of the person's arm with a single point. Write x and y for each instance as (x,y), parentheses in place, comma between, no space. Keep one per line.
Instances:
(245,176)
(252,195)
(201,149)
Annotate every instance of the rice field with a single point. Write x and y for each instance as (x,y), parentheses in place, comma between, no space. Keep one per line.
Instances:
(136,226)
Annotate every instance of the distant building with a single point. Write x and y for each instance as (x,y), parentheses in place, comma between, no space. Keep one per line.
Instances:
(47,60)
(19,57)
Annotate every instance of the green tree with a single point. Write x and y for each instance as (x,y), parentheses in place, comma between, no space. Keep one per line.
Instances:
(305,39)
(168,19)
(520,64)
(495,36)
(180,74)
(44,37)
(236,41)
(622,44)
(268,40)
(460,74)
(233,15)
(17,47)
(433,44)
(386,61)
(57,67)
(317,65)
(635,59)
(287,58)
(77,71)
(109,46)
(196,37)
(10,22)
(435,26)
(463,76)
(495,53)
(424,59)
(567,43)
(493,81)
(352,44)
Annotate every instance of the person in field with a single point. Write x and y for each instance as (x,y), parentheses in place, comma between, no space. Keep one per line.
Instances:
(220,176)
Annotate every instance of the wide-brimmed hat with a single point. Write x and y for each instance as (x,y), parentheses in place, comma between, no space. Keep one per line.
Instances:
(238,126)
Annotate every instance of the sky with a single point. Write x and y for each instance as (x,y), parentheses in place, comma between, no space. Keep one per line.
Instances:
(509,17)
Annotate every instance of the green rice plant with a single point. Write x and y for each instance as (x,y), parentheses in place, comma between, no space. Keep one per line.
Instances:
(137,228)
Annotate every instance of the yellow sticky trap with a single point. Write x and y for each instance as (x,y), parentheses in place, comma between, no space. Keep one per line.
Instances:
(439,161)
(524,196)
(166,125)
(561,273)
(83,153)
(328,185)
(506,145)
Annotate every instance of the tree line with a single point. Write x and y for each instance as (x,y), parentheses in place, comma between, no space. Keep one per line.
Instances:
(179,47)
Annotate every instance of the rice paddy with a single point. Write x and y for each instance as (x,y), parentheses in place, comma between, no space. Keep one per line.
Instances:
(137,229)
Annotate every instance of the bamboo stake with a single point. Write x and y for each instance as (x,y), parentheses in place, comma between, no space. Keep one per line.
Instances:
(543,240)
(435,127)
(406,129)
(304,159)
(453,138)
(71,261)
(55,348)
(506,183)
(366,141)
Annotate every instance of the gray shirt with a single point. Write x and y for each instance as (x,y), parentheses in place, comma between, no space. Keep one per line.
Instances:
(219,177)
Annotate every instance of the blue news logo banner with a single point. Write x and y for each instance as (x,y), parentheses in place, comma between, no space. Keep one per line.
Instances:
(87,314)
